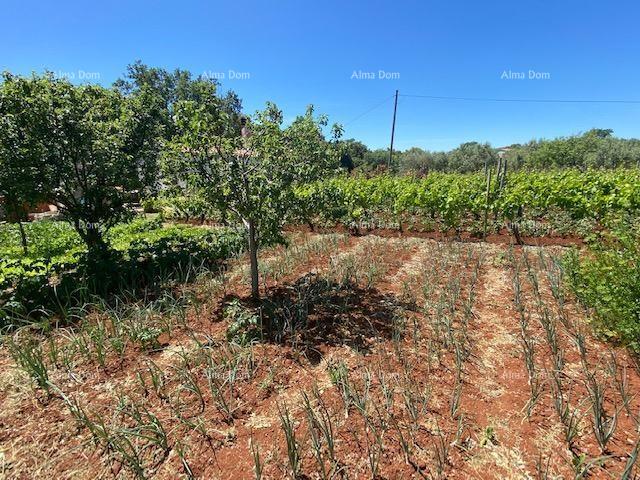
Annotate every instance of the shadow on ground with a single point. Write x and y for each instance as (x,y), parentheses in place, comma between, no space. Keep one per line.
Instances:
(315,312)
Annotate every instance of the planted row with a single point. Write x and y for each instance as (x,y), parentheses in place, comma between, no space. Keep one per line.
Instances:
(452,198)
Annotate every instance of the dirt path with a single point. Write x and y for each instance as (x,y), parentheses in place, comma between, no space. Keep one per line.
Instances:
(495,397)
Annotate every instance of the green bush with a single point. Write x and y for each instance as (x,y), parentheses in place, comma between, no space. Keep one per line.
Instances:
(144,253)
(46,239)
(184,206)
(244,323)
(607,280)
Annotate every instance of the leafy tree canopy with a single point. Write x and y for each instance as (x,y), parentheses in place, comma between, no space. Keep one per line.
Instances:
(172,87)
(83,148)
(252,176)
(23,130)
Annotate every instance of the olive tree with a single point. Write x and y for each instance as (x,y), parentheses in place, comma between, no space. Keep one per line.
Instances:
(471,157)
(252,173)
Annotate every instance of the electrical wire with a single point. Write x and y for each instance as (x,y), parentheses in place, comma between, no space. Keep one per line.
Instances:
(377,105)
(517,100)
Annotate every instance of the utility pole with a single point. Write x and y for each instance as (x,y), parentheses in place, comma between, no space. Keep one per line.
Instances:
(393,129)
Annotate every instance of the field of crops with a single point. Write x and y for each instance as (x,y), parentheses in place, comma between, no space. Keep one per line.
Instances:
(374,351)
(455,201)
(207,272)
(383,358)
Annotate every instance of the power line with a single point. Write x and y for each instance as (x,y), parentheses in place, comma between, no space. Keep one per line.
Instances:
(518,100)
(369,110)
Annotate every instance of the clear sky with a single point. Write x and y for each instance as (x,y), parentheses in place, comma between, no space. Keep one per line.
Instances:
(296,52)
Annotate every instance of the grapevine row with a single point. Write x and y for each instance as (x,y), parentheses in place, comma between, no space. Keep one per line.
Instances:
(451,198)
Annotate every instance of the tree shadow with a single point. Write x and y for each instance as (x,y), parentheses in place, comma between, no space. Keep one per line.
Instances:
(315,312)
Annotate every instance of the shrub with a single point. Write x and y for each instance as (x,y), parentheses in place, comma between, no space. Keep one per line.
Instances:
(607,279)
(184,206)
(144,253)
(244,323)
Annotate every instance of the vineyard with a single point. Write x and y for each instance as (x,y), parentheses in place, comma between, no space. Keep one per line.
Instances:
(453,200)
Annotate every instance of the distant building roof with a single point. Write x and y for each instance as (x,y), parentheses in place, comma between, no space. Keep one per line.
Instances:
(502,151)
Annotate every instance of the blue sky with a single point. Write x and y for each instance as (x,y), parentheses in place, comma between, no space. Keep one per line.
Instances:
(296,52)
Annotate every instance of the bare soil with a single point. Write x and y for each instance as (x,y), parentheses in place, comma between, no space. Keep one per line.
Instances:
(410,348)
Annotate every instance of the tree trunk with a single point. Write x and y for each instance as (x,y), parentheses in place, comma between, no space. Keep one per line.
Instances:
(23,237)
(94,240)
(97,252)
(253,258)
(102,268)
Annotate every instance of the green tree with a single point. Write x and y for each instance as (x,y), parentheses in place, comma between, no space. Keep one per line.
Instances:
(252,175)
(356,150)
(471,157)
(377,159)
(101,145)
(23,117)
(596,148)
(172,87)
(600,132)
(421,162)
